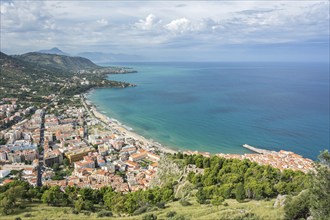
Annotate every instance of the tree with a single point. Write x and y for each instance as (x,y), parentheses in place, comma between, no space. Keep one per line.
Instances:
(316,199)
(206,162)
(55,197)
(89,206)
(320,190)
(201,197)
(79,204)
(108,198)
(179,155)
(225,190)
(297,207)
(86,193)
(7,206)
(199,162)
(66,162)
(9,200)
(239,192)
(119,204)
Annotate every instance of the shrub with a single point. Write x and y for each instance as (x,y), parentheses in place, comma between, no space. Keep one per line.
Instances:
(75,212)
(22,207)
(179,217)
(88,213)
(160,205)
(217,200)
(140,210)
(170,214)
(104,214)
(149,217)
(184,202)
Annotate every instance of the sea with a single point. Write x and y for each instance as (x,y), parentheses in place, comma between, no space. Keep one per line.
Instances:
(217,107)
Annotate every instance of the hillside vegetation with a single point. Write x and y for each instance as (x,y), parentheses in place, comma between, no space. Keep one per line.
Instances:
(225,189)
(173,210)
(33,76)
(61,62)
(212,186)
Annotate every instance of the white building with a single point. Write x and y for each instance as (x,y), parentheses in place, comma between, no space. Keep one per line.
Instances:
(4,173)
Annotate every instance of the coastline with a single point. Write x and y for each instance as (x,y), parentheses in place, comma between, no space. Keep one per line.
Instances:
(281,159)
(119,128)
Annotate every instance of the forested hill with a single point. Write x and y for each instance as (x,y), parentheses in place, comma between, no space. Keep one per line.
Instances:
(20,70)
(61,62)
(34,75)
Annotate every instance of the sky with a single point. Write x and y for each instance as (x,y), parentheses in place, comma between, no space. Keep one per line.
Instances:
(171,30)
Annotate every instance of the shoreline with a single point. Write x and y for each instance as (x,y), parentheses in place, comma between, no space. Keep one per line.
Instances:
(122,129)
(281,159)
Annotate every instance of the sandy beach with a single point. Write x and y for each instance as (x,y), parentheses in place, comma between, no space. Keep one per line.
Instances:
(117,127)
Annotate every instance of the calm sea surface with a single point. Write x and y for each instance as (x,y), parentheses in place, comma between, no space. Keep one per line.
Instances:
(218,107)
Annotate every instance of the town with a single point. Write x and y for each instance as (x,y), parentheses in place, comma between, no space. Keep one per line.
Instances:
(67,145)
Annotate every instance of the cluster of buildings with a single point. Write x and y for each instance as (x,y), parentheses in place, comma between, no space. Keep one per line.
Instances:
(98,157)
(19,152)
(28,130)
(10,112)
(22,141)
(281,160)
(21,149)
(116,162)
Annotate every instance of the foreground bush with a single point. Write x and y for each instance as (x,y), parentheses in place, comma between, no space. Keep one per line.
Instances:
(104,214)
(149,217)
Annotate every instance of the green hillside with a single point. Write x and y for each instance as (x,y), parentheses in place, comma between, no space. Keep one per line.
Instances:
(235,210)
(60,62)
(34,75)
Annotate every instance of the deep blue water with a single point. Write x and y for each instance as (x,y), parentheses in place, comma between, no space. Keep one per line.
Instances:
(218,107)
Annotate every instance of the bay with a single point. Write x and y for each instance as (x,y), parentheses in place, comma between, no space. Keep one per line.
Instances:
(218,107)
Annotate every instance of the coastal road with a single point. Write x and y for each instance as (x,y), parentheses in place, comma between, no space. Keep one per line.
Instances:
(41,154)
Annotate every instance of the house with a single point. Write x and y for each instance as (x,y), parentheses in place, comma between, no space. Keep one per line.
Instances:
(84,164)
(4,173)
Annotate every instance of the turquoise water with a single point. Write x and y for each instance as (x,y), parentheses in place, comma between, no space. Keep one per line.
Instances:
(218,107)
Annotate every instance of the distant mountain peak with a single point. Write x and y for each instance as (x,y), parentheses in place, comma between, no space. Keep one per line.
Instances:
(54,50)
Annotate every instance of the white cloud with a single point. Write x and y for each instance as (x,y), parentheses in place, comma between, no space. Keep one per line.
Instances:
(179,25)
(102,21)
(98,24)
(148,23)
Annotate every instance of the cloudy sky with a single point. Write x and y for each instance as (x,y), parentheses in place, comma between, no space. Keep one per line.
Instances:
(171,30)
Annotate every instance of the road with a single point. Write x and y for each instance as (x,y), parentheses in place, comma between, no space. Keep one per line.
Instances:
(41,154)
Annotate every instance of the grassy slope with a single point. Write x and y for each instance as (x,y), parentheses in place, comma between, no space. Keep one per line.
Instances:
(262,209)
